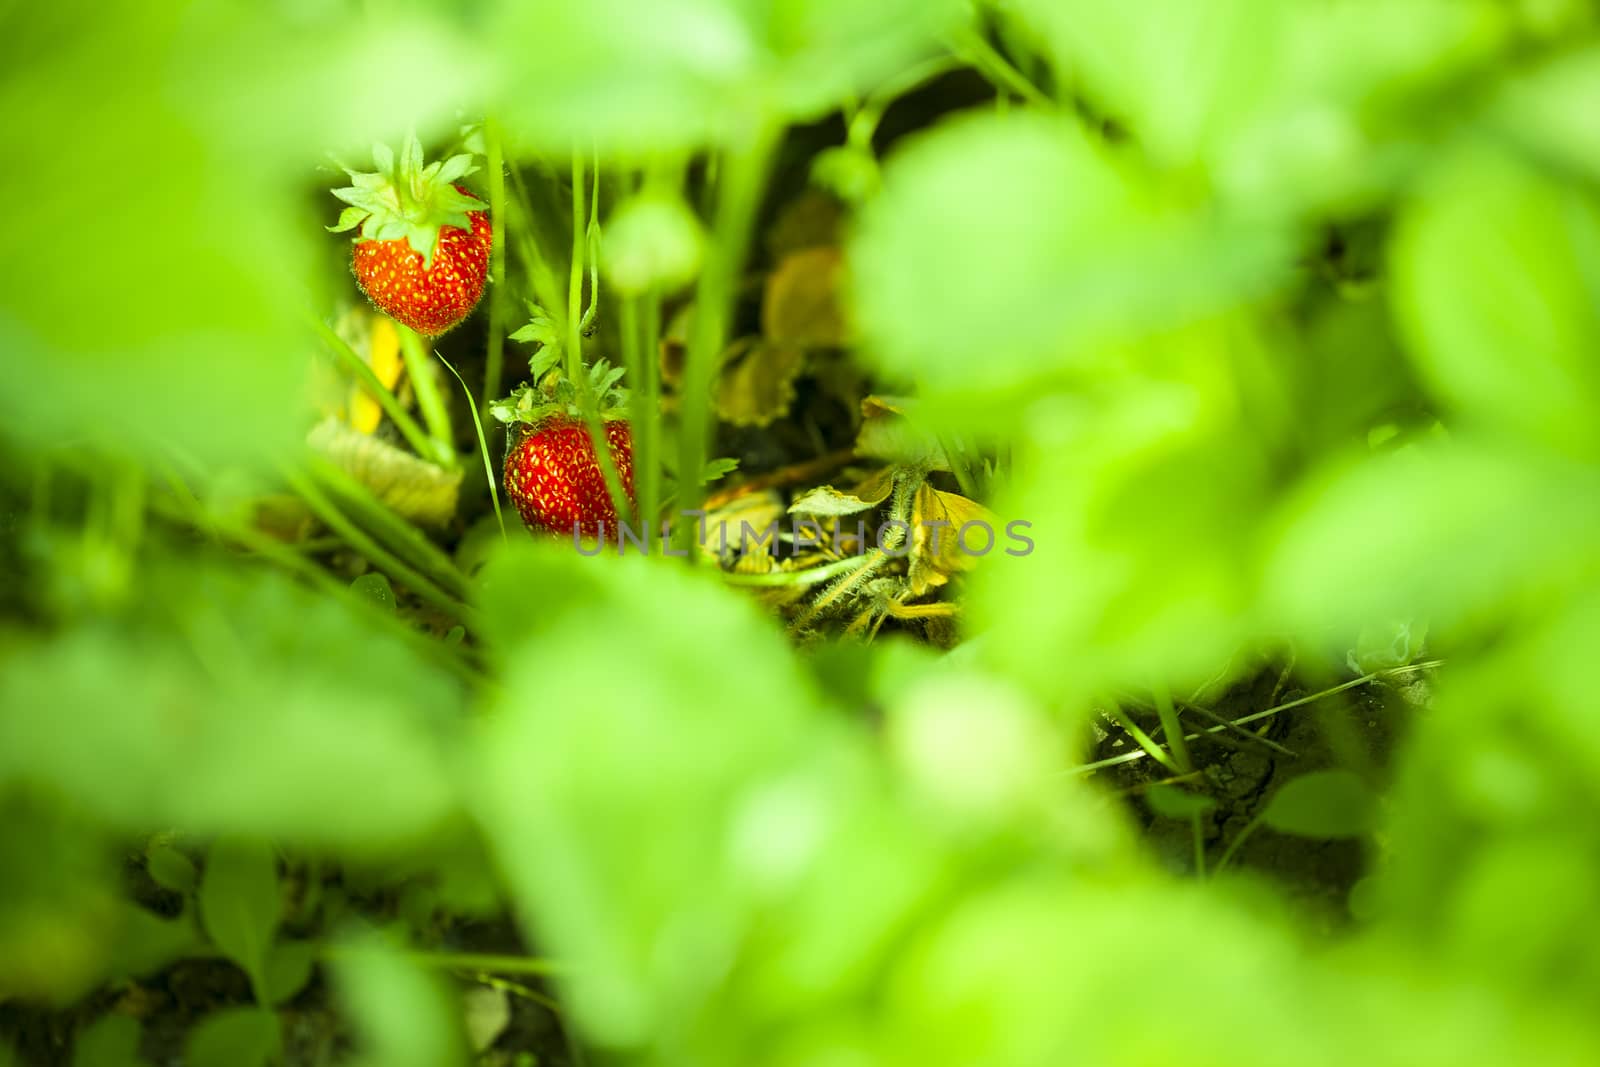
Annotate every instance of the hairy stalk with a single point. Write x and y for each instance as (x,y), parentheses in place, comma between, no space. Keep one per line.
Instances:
(494,365)
(576,371)
(808,576)
(435,409)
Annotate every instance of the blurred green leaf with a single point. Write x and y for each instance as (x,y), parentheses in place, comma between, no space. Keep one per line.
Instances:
(1170,802)
(970,990)
(1140,500)
(1274,101)
(636,76)
(234,1037)
(118,313)
(974,748)
(1553,110)
(110,1041)
(1485,802)
(60,911)
(579,752)
(288,969)
(403,1015)
(170,868)
(1458,531)
(485,1013)
(1321,804)
(240,906)
(1497,281)
(234,702)
(145,942)
(1037,251)
(1549,946)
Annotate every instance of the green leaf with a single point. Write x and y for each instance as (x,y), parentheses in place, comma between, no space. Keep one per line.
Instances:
(1280,103)
(288,969)
(1170,802)
(1322,804)
(240,905)
(455,168)
(147,943)
(170,868)
(1554,110)
(319,723)
(404,1017)
(1008,297)
(1459,532)
(110,1041)
(1518,355)
(234,1037)
(486,1012)
(640,76)
(350,218)
(710,704)
(715,469)
(61,908)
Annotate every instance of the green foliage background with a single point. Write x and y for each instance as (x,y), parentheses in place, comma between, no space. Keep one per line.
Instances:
(1221,442)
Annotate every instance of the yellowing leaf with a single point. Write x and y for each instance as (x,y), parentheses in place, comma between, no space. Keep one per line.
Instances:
(413,487)
(757,382)
(801,304)
(887,433)
(826,500)
(940,546)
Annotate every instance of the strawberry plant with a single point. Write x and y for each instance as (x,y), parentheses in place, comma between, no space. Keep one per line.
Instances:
(1057,532)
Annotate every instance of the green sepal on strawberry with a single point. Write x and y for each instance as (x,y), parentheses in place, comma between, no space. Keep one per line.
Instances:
(422,240)
(552,474)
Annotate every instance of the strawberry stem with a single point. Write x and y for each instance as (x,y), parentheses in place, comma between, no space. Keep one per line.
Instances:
(643,409)
(588,403)
(435,411)
(738,199)
(575,276)
(493,370)
(483,447)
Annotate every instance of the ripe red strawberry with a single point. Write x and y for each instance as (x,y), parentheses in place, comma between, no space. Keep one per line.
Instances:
(555,480)
(422,241)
